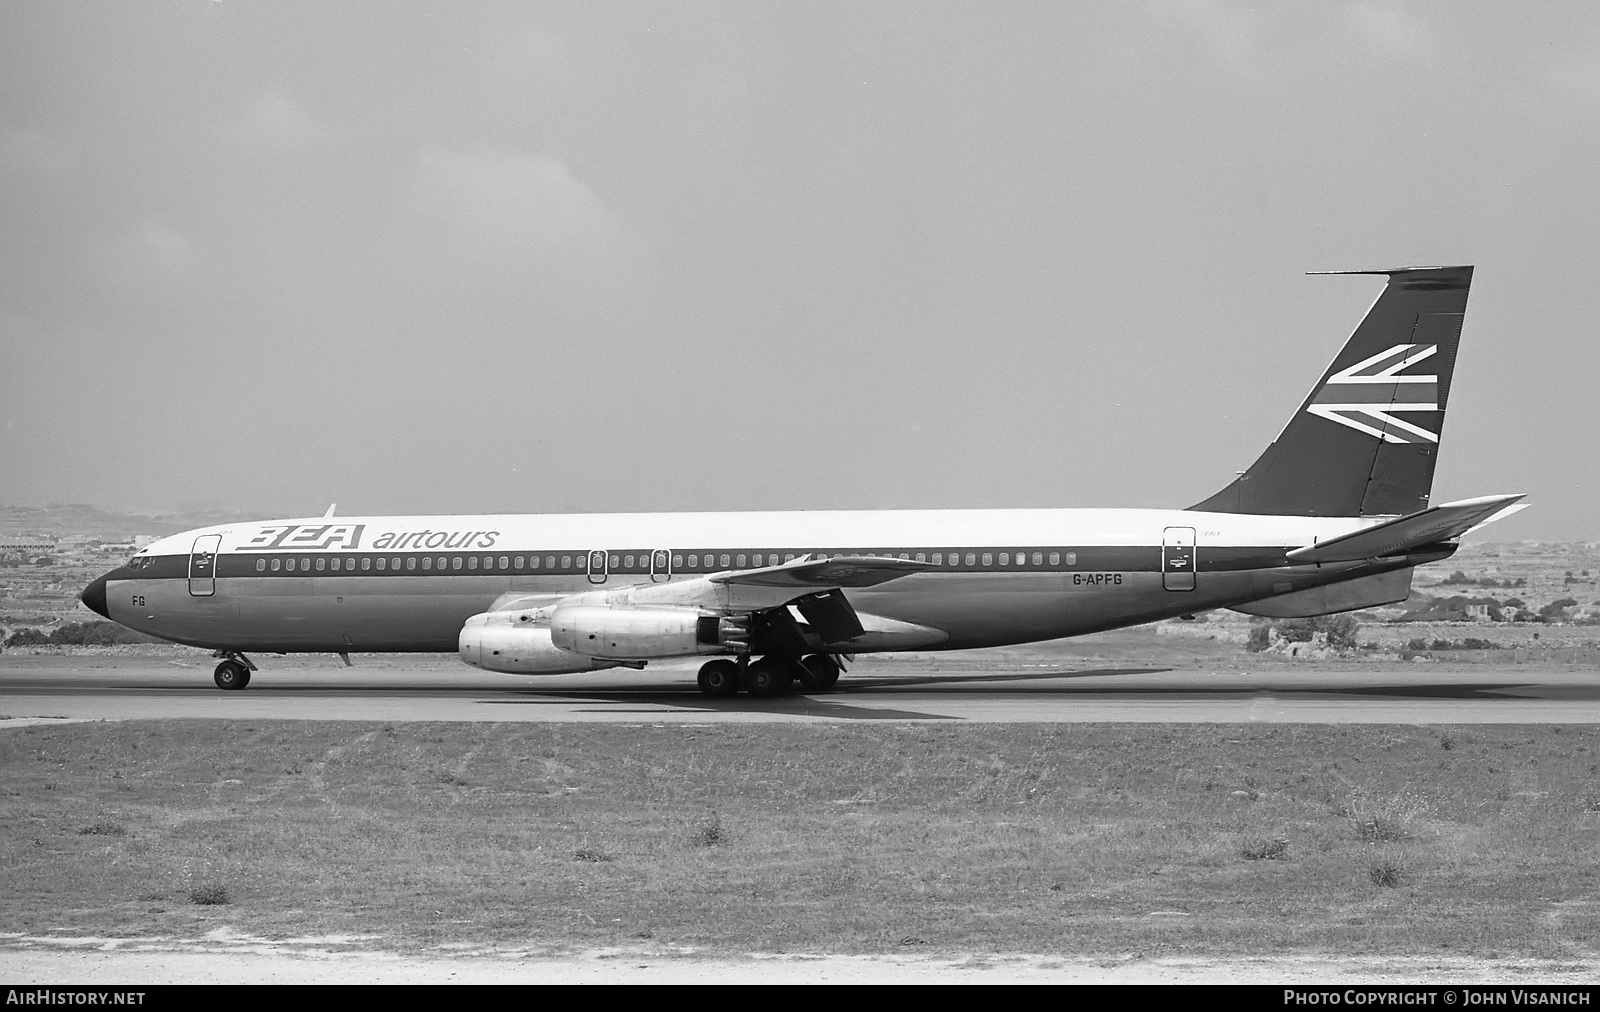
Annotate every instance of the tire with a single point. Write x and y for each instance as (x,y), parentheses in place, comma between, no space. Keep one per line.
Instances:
(818,673)
(719,678)
(769,677)
(232,675)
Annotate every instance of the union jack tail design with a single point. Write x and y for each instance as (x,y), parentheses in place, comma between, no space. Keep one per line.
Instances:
(1385,392)
(1365,396)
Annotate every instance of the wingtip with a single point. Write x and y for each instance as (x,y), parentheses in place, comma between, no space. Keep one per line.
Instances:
(1392,271)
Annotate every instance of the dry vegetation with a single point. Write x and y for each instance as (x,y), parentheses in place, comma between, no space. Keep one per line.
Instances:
(789,837)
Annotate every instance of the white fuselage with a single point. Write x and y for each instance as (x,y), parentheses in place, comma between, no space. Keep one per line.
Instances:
(993,576)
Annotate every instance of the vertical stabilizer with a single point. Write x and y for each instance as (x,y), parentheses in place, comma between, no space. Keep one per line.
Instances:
(1365,441)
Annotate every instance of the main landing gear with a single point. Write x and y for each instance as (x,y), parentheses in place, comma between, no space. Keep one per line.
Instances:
(234,671)
(770,676)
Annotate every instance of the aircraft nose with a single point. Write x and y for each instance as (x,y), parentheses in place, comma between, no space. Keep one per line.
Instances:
(94,597)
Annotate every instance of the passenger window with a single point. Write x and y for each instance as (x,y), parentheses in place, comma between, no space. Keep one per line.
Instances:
(1005,559)
(395,563)
(455,563)
(1072,558)
(677,562)
(427,562)
(724,560)
(550,561)
(1038,558)
(694,562)
(411,562)
(566,562)
(938,558)
(333,564)
(972,558)
(788,557)
(488,562)
(261,565)
(988,559)
(277,564)
(321,563)
(305,565)
(739,561)
(472,563)
(922,556)
(611,563)
(381,564)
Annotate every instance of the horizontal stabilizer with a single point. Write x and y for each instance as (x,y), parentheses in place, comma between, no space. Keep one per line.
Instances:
(811,572)
(1395,537)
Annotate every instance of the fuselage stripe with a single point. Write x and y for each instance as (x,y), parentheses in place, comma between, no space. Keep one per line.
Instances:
(690,562)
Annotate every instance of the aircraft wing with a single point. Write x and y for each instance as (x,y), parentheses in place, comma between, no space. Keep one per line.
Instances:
(1394,537)
(817,572)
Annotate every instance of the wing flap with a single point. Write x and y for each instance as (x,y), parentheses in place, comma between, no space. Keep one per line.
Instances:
(812,573)
(1394,537)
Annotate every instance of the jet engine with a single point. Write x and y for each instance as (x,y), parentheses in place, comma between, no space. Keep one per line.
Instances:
(512,643)
(629,633)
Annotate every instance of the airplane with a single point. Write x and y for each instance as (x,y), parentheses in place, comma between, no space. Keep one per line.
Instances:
(1333,516)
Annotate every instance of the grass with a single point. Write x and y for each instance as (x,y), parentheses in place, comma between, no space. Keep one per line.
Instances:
(795,837)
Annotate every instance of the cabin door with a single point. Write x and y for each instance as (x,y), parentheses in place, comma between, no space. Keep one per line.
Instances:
(597,566)
(1178,558)
(203,565)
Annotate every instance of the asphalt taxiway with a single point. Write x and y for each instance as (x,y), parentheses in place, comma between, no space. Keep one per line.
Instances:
(57,687)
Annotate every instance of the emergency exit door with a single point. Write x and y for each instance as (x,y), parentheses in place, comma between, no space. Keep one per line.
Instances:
(1178,558)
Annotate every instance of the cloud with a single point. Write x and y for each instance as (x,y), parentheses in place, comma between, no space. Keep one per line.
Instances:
(1580,78)
(509,195)
(34,152)
(535,58)
(147,258)
(166,247)
(274,118)
(1393,32)
(1229,32)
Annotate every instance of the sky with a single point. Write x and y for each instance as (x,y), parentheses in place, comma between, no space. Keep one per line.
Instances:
(524,257)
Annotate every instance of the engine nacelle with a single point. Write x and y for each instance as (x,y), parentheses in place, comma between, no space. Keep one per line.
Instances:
(510,642)
(627,633)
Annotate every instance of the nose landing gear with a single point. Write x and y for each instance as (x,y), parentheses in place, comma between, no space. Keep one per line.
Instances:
(234,672)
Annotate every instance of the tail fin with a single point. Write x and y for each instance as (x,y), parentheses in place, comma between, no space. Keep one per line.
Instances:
(1365,441)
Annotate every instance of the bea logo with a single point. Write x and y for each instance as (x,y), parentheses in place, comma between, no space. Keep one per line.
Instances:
(303,537)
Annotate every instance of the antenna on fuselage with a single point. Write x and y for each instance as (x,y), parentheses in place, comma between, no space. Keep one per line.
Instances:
(331,507)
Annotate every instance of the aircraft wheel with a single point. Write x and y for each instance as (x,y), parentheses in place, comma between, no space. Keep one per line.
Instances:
(818,673)
(770,676)
(719,678)
(232,675)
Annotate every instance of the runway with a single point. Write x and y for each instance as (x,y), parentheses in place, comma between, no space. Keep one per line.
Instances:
(56,687)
